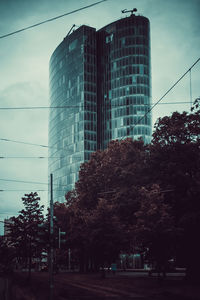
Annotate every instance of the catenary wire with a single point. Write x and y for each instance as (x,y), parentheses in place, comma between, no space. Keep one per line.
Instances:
(32,144)
(50,20)
(30,157)
(76,106)
(23,181)
(32,182)
(4,190)
(132,126)
(26,143)
(35,190)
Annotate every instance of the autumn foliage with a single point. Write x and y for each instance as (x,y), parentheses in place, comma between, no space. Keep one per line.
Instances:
(132,198)
(101,210)
(141,198)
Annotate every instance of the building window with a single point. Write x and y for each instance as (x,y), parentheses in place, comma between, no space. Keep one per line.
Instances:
(123,41)
(109,38)
(73,45)
(141,69)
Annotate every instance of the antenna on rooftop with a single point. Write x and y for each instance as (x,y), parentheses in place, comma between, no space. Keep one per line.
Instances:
(124,11)
(71,29)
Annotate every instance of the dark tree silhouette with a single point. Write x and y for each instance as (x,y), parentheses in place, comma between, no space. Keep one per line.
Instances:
(175,166)
(24,230)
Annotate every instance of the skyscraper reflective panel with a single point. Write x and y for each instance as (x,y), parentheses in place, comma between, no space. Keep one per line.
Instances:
(101,82)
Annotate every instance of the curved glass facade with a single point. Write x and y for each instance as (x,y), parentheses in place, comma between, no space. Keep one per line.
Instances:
(124,71)
(101,82)
(72,126)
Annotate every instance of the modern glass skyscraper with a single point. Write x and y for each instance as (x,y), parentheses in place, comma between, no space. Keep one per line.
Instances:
(100,82)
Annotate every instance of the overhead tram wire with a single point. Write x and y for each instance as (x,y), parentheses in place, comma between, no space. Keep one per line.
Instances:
(26,143)
(35,190)
(28,182)
(39,145)
(76,106)
(23,181)
(33,144)
(132,126)
(29,157)
(31,182)
(189,70)
(50,20)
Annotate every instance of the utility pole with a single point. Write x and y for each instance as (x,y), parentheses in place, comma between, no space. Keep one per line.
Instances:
(51,285)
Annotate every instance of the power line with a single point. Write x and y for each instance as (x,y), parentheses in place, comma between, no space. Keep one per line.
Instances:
(40,107)
(29,157)
(23,181)
(22,190)
(133,126)
(32,182)
(39,145)
(26,191)
(35,190)
(33,144)
(76,106)
(26,143)
(52,19)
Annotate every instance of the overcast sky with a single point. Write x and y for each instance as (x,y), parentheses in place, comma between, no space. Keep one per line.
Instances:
(24,62)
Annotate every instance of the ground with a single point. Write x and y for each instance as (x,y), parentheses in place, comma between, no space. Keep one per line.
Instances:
(120,286)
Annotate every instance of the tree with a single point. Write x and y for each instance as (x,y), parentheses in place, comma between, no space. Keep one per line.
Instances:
(7,257)
(105,200)
(114,174)
(125,177)
(154,229)
(106,234)
(24,230)
(175,164)
(95,235)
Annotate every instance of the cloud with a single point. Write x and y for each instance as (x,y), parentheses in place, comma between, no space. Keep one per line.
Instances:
(28,126)
(24,70)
